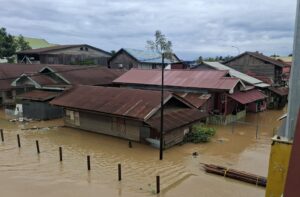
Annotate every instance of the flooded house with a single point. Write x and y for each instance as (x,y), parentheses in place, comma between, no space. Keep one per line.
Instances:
(213,91)
(278,97)
(131,114)
(247,79)
(8,73)
(258,65)
(83,54)
(144,59)
(35,105)
(51,80)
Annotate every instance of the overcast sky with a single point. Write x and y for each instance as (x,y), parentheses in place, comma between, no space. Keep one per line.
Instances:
(196,27)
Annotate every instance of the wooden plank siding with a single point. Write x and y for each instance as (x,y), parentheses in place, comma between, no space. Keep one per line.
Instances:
(118,127)
(175,137)
(247,63)
(123,59)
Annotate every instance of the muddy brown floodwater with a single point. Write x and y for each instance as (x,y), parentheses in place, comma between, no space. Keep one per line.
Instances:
(25,173)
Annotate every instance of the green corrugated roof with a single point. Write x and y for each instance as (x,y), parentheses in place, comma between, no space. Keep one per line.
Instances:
(36,43)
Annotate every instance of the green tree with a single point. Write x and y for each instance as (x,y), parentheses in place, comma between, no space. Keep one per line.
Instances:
(7,45)
(199,60)
(21,43)
(161,45)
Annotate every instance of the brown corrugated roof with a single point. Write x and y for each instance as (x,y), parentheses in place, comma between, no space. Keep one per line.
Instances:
(248,96)
(282,91)
(176,119)
(197,100)
(133,103)
(87,76)
(208,79)
(39,95)
(9,72)
(46,50)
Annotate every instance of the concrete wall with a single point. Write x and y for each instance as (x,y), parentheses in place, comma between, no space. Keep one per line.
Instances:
(119,127)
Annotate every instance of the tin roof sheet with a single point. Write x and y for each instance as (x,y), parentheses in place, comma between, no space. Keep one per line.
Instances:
(282,91)
(48,50)
(138,104)
(248,96)
(197,100)
(10,72)
(209,79)
(77,75)
(177,119)
(39,95)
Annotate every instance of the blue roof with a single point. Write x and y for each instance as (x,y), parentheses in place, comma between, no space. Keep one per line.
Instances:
(147,56)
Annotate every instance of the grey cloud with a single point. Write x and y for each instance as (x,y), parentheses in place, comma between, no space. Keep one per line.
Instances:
(196,27)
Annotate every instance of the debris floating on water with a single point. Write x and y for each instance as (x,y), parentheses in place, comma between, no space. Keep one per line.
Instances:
(234,174)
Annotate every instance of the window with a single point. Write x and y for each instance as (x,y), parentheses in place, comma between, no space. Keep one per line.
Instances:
(73,117)
(81,48)
(86,49)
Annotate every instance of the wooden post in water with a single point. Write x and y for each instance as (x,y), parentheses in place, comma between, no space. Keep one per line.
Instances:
(88,163)
(129,144)
(60,154)
(37,146)
(119,172)
(2,136)
(157,184)
(19,142)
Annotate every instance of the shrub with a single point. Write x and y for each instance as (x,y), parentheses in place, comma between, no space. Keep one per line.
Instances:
(200,134)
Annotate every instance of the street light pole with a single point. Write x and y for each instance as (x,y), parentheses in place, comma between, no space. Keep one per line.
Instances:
(238,49)
(162,109)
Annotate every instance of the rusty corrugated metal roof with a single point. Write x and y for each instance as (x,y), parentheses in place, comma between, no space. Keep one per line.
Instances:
(282,91)
(133,103)
(197,100)
(39,95)
(176,119)
(208,79)
(48,50)
(10,72)
(248,96)
(77,75)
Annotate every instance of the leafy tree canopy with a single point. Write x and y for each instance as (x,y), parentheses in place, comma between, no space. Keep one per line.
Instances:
(9,45)
(161,44)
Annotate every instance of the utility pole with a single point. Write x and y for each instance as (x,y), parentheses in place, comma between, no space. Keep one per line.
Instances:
(162,109)
(294,85)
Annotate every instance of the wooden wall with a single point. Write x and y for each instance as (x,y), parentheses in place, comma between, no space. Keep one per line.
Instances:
(119,127)
(124,59)
(247,63)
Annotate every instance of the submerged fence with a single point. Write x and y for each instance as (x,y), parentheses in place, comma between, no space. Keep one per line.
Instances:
(88,158)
